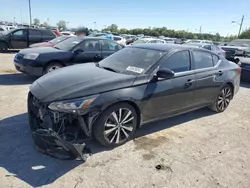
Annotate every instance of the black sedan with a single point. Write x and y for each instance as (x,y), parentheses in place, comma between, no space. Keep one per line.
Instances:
(140,83)
(75,50)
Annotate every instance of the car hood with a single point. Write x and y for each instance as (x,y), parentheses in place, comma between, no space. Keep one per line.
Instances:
(40,50)
(78,81)
(42,44)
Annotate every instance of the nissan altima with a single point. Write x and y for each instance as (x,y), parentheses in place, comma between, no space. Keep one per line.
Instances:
(109,100)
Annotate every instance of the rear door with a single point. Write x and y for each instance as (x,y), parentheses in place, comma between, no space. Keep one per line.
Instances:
(91,51)
(19,39)
(171,96)
(109,47)
(208,77)
(35,36)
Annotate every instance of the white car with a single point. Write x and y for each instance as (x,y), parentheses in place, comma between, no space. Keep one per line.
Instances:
(149,40)
(199,41)
(169,40)
(3,29)
(120,40)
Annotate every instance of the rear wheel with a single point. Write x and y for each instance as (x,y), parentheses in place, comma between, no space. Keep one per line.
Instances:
(116,125)
(3,47)
(52,67)
(223,99)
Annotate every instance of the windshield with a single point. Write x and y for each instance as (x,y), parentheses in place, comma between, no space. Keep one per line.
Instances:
(131,60)
(68,44)
(239,42)
(58,39)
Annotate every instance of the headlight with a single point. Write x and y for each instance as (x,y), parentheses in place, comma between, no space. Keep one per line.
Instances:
(32,56)
(74,105)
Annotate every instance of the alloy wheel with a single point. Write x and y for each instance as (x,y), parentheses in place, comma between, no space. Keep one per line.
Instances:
(119,125)
(224,98)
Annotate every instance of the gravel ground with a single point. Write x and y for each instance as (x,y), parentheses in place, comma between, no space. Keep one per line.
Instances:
(198,149)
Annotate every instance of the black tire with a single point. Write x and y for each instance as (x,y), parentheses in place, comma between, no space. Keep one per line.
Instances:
(52,65)
(3,47)
(103,125)
(223,99)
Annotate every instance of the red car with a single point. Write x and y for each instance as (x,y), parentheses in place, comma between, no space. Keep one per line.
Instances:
(51,43)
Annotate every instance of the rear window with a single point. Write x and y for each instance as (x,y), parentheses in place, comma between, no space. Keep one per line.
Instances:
(215,59)
(117,38)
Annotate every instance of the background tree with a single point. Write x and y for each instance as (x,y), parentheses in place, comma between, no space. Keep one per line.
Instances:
(112,28)
(36,21)
(245,34)
(61,25)
(44,24)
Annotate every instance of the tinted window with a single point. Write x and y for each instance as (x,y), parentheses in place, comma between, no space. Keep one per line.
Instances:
(34,33)
(202,60)
(19,33)
(117,38)
(1,29)
(48,33)
(108,45)
(89,45)
(215,59)
(177,62)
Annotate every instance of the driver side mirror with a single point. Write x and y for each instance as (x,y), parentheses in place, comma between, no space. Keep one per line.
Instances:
(165,73)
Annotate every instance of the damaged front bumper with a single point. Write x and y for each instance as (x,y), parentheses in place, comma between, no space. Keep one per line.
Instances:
(56,134)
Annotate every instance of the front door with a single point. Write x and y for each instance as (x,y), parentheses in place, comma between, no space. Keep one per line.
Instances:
(19,39)
(109,47)
(35,36)
(90,51)
(167,97)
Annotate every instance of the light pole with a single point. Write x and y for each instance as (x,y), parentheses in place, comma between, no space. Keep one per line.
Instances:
(240,24)
(14,20)
(30,14)
(94,25)
(67,24)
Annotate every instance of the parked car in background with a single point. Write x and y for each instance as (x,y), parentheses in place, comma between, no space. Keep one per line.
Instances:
(210,47)
(237,48)
(75,50)
(244,63)
(3,29)
(199,41)
(24,37)
(120,40)
(169,40)
(148,40)
(51,43)
(140,83)
(179,41)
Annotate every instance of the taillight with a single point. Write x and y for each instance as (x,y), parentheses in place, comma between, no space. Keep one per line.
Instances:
(239,69)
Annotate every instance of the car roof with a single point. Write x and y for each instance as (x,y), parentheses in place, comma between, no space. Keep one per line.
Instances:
(162,47)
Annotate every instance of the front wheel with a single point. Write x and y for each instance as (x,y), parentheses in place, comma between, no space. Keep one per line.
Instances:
(3,47)
(52,67)
(116,125)
(223,99)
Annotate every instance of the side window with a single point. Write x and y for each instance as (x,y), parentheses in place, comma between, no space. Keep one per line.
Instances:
(35,34)
(89,45)
(48,33)
(108,45)
(1,29)
(214,49)
(178,62)
(19,33)
(202,60)
(215,59)
(152,41)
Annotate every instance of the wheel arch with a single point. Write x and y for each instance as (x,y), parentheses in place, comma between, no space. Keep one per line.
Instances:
(232,86)
(3,41)
(53,61)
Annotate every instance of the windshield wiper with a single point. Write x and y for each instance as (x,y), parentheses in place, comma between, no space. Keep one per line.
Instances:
(108,68)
